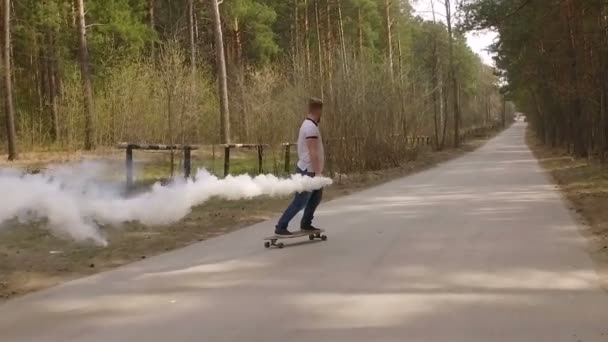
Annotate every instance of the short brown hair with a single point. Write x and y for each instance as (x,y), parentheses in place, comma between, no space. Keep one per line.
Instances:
(315,104)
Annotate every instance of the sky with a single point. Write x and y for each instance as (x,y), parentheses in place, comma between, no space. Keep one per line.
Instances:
(478,41)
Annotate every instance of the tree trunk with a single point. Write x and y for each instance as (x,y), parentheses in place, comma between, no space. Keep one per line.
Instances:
(9,108)
(196,28)
(151,20)
(328,51)
(170,124)
(53,88)
(389,40)
(296,35)
(400,95)
(222,74)
(436,100)
(603,129)
(238,45)
(342,42)
(152,24)
(604,82)
(39,81)
(44,79)
(360,31)
(240,73)
(504,111)
(244,122)
(448,12)
(87,88)
(320,49)
(444,109)
(57,68)
(53,102)
(192,40)
(436,114)
(578,116)
(488,108)
(307,40)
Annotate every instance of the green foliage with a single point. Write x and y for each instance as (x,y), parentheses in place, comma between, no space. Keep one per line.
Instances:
(554,56)
(429,39)
(117,30)
(255,20)
(139,68)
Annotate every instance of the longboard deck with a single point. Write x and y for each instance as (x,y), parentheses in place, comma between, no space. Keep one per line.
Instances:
(297,234)
(312,235)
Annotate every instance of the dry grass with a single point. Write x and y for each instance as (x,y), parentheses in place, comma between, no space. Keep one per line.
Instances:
(585,184)
(32,259)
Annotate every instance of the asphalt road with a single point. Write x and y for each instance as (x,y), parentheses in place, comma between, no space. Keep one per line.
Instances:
(481,248)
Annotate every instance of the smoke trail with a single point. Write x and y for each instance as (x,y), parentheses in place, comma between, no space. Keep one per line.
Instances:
(74,202)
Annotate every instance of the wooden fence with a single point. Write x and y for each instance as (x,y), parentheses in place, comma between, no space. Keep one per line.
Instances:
(187,150)
(258,147)
(286,147)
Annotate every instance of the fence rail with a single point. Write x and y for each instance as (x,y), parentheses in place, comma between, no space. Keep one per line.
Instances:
(155,147)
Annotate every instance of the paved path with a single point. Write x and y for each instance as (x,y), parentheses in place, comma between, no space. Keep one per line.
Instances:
(478,249)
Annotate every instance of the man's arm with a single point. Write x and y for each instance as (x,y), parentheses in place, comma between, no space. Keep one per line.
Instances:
(313,150)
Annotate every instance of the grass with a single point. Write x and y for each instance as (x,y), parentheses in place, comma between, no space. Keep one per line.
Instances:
(584,182)
(31,258)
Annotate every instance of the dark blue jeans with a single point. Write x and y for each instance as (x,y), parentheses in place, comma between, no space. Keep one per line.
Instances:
(309,201)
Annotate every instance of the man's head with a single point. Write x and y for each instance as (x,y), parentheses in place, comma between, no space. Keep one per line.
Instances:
(315,108)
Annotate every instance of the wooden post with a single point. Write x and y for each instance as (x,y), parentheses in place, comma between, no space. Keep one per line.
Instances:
(260,159)
(287,158)
(129,167)
(226,160)
(187,164)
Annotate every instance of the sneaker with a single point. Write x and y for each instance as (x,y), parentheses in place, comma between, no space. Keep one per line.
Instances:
(282,232)
(309,228)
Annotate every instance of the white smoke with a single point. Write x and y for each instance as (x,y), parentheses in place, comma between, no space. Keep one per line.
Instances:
(74,201)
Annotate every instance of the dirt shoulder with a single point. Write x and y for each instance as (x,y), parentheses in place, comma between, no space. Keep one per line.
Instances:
(31,259)
(585,184)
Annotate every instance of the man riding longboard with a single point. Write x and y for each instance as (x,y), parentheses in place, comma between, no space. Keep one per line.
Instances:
(311,160)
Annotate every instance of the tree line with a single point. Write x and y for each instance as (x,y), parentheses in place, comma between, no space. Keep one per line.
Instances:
(85,73)
(554,54)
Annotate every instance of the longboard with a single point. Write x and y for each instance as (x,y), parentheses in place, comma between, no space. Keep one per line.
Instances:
(271,241)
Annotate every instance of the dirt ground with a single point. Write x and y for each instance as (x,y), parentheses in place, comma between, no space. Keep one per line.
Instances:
(32,259)
(585,185)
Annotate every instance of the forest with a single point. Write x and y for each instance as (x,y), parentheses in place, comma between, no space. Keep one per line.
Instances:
(554,54)
(85,74)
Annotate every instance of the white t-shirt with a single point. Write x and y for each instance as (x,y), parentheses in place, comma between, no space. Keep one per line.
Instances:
(309,130)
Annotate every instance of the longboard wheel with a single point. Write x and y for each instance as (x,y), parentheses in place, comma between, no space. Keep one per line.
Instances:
(280,245)
(324,237)
(311,237)
(267,244)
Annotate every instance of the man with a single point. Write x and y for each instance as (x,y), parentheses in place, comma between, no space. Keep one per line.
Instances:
(311,161)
